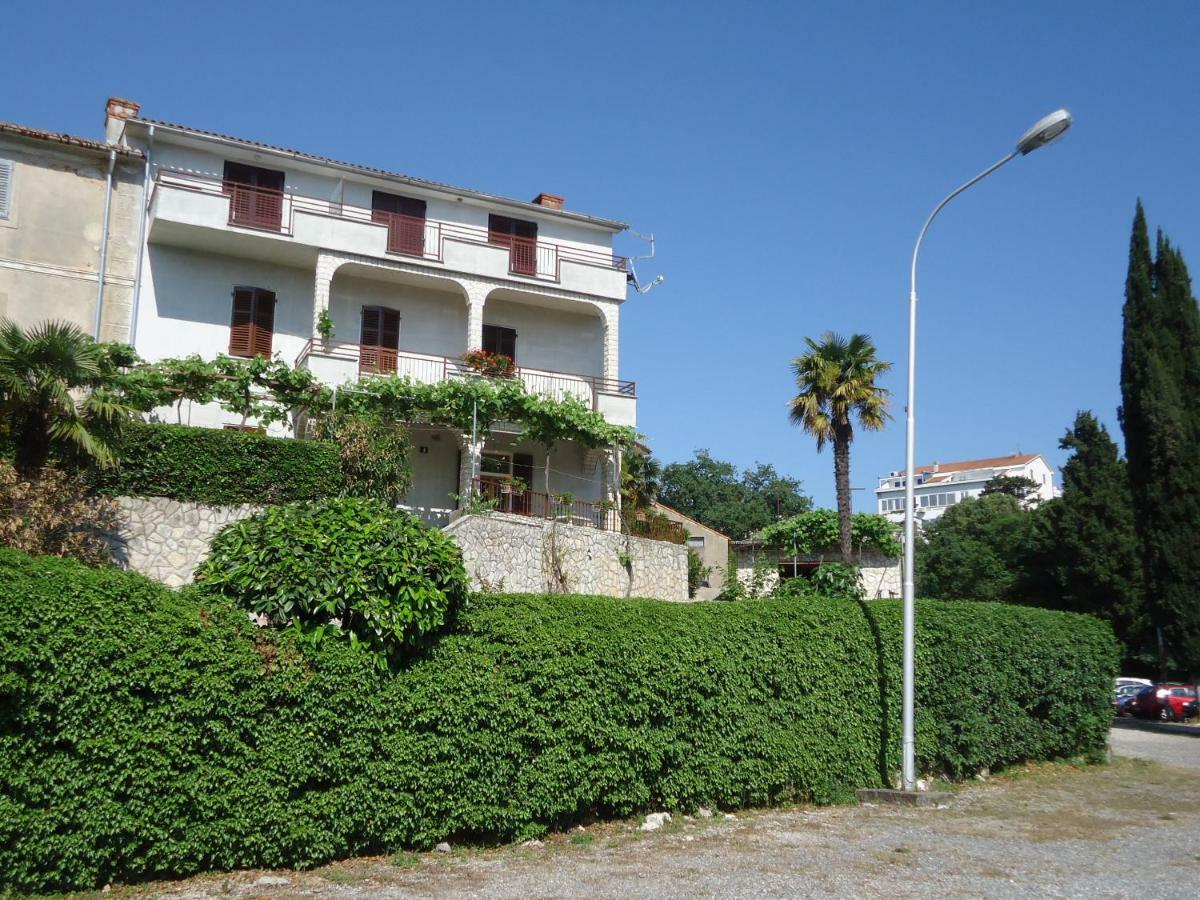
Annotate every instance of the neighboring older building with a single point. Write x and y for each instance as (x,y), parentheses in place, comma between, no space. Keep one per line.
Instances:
(54,193)
(941,485)
(710,544)
(761,569)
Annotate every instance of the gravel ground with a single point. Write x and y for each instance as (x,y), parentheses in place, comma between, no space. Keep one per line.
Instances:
(1131,829)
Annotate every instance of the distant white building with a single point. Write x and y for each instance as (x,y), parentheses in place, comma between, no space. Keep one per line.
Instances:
(941,485)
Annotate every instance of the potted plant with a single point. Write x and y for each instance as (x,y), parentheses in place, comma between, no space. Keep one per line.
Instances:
(325,327)
(496,365)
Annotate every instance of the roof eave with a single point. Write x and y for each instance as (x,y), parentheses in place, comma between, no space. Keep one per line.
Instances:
(67,140)
(610,225)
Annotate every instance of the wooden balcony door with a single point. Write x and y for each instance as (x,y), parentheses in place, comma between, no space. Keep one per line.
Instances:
(520,237)
(379,341)
(405,220)
(255,196)
(498,339)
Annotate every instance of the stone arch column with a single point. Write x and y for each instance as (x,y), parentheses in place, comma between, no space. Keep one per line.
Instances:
(610,314)
(327,265)
(476,292)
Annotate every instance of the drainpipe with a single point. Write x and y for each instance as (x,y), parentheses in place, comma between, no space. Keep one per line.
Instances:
(137,272)
(108,181)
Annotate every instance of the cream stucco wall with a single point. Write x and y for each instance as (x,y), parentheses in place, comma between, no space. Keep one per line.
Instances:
(714,553)
(50,242)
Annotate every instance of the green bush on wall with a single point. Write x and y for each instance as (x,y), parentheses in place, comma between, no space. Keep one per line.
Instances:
(213,465)
(147,733)
(388,579)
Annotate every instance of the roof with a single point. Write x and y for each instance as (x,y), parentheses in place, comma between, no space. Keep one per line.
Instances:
(70,140)
(610,224)
(970,465)
(687,518)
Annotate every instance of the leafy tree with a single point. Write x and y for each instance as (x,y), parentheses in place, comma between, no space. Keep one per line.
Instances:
(976,550)
(713,492)
(51,391)
(698,572)
(374,455)
(1017,486)
(836,383)
(1160,381)
(1088,549)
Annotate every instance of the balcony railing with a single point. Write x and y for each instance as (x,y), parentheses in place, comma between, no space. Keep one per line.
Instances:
(430,369)
(590,513)
(270,210)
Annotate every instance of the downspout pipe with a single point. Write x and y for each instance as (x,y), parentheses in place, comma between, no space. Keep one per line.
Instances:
(108,186)
(141,242)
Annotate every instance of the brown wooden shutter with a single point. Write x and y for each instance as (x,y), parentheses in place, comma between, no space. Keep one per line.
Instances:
(389,332)
(369,336)
(240,340)
(264,322)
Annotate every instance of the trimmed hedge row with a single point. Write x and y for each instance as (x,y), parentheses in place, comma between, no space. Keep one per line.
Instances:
(145,733)
(213,465)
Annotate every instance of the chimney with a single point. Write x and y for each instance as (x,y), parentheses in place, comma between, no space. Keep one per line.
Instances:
(935,466)
(116,111)
(550,201)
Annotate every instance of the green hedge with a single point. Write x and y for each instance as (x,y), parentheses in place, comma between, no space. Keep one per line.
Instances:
(144,733)
(214,465)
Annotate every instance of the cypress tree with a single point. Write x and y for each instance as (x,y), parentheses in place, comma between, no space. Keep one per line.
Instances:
(1091,554)
(1160,416)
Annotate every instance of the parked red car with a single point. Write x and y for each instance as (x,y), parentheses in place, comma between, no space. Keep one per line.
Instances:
(1166,702)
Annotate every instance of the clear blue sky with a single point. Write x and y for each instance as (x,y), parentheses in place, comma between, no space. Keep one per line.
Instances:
(785,155)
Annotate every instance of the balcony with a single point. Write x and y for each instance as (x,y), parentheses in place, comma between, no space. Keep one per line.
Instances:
(561,508)
(339,362)
(184,198)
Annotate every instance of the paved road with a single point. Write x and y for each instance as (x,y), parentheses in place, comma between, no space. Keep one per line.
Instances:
(1175,749)
(1131,829)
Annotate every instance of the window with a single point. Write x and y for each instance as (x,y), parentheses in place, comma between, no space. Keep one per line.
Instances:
(6,187)
(520,238)
(696,542)
(495,464)
(405,219)
(498,339)
(255,196)
(252,323)
(379,340)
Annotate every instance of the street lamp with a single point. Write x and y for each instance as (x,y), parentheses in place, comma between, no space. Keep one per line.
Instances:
(1043,132)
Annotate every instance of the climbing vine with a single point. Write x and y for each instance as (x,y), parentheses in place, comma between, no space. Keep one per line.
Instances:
(817,530)
(271,391)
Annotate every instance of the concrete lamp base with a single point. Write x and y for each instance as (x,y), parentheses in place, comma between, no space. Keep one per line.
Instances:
(888,797)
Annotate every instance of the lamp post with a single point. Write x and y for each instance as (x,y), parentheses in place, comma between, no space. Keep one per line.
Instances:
(1043,132)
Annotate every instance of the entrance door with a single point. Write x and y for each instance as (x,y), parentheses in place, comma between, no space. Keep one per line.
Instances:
(379,341)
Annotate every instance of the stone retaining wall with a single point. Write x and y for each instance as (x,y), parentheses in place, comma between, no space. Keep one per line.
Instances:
(517,554)
(166,539)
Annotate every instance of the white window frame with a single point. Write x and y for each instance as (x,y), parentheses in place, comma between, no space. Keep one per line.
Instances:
(9,169)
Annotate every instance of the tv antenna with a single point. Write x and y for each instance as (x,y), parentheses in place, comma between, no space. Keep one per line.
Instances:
(631,275)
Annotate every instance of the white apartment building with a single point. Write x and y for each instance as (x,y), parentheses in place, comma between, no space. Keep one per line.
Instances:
(246,246)
(941,485)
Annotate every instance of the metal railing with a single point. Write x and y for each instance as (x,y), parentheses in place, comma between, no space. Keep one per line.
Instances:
(536,505)
(431,369)
(271,210)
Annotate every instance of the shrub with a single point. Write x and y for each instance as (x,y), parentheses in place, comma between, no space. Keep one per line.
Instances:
(698,572)
(222,466)
(55,514)
(348,568)
(146,733)
(374,455)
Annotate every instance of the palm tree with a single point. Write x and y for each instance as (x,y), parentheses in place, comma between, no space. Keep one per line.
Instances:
(51,393)
(641,480)
(836,383)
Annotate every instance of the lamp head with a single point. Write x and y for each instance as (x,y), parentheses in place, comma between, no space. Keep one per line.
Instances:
(1044,131)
